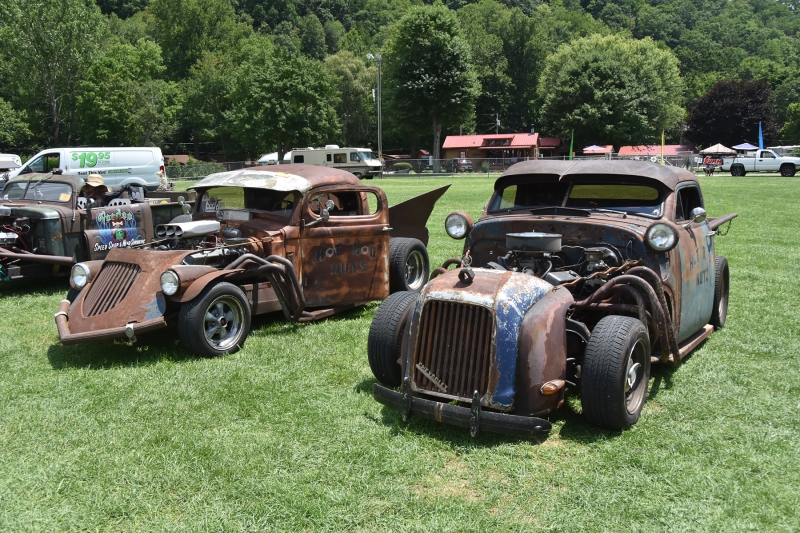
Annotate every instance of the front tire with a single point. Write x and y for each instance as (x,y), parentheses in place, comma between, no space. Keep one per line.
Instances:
(408,265)
(216,322)
(721,289)
(737,170)
(615,372)
(386,332)
(788,170)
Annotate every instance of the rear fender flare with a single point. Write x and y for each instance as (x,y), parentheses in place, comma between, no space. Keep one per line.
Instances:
(201,283)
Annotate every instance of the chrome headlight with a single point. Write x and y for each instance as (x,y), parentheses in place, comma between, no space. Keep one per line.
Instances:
(80,275)
(661,237)
(170,283)
(458,224)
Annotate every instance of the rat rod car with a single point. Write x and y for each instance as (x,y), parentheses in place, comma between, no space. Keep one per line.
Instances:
(47,227)
(304,239)
(578,275)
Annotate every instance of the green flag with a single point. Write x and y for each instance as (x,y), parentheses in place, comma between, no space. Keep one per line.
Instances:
(571,141)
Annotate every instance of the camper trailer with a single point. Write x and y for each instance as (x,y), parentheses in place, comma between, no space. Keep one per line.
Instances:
(359,161)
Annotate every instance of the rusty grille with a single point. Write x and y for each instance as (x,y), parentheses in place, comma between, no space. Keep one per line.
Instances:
(110,288)
(454,346)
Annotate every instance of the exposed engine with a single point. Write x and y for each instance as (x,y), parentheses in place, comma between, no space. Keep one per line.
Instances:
(542,255)
(215,246)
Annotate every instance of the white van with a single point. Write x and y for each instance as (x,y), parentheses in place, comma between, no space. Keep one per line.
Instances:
(359,161)
(118,166)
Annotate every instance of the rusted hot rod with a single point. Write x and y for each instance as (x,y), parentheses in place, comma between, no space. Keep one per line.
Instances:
(307,240)
(578,275)
(47,226)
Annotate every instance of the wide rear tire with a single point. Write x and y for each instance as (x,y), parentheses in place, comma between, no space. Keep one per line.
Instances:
(615,372)
(788,170)
(408,265)
(386,336)
(216,322)
(721,288)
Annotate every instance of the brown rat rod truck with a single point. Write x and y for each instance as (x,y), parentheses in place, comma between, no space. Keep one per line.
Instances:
(47,227)
(304,239)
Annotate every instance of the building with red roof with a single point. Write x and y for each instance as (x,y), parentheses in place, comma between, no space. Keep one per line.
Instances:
(495,145)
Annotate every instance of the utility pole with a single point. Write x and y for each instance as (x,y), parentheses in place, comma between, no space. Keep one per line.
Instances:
(378,59)
(497,122)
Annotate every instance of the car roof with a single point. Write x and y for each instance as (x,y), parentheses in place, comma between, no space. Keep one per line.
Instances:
(667,175)
(282,178)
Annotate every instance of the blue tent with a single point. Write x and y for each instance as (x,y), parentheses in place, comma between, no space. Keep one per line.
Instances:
(745,146)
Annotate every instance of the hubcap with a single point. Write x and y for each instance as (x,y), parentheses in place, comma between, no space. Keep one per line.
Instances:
(415,268)
(223,322)
(635,387)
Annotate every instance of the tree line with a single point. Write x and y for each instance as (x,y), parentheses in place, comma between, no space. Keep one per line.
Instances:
(252,76)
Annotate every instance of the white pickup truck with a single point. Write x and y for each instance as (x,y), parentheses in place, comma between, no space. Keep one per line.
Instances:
(761,161)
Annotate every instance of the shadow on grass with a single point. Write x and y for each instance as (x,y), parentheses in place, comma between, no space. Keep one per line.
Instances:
(44,287)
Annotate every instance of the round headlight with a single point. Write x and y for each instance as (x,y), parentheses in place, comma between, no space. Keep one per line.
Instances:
(80,275)
(458,224)
(661,237)
(170,283)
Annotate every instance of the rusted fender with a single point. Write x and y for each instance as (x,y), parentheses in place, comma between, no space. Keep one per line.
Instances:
(714,223)
(409,218)
(201,283)
(36,258)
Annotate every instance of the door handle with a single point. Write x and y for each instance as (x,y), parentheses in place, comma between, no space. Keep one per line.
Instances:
(387,228)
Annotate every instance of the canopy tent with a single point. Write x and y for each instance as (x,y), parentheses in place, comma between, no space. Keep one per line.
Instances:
(745,146)
(718,149)
(594,149)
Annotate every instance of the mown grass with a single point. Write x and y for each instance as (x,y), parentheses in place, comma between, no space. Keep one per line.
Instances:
(284,435)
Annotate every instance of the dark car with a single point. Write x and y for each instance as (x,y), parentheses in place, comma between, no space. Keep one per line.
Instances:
(308,240)
(577,276)
(47,226)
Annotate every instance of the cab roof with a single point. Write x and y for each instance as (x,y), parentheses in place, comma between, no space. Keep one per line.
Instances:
(668,176)
(282,178)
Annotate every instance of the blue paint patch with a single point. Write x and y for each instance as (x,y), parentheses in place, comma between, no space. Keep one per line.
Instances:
(517,295)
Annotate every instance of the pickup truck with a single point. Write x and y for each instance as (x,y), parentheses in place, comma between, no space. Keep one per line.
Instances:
(47,227)
(761,161)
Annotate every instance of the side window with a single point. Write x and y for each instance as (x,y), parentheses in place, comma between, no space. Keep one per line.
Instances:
(37,165)
(767,155)
(299,159)
(340,158)
(686,199)
(355,157)
(328,157)
(345,203)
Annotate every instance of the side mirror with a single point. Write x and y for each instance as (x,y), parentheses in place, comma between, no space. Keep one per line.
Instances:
(324,216)
(698,215)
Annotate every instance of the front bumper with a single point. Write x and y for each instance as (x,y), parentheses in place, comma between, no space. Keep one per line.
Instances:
(522,426)
(62,323)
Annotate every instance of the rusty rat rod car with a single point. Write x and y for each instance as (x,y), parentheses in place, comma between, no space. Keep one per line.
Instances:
(304,239)
(47,227)
(578,275)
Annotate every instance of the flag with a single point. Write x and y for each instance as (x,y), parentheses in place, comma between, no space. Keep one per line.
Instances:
(760,138)
(662,147)
(571,141)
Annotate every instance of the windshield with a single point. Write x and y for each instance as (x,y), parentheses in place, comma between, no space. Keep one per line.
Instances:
(48,191)
(279,203)
(628,198)
(366,155)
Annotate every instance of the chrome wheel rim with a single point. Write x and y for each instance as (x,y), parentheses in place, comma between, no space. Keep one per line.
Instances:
(222,325)
(635,384)
(415,270)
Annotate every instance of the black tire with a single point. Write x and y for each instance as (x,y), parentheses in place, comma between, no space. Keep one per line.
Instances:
(408,265)
(223,305)
(72,293)
(788,170)
(181,218)
(721,288)
(737,170)
(386,335)
(615,372)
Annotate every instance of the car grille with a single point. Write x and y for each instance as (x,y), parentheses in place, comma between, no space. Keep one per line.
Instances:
(454,347)
(110,288)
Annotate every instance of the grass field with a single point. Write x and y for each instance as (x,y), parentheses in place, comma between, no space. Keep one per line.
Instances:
(284,435)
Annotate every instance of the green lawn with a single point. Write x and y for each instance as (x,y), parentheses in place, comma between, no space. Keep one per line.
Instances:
(284,435)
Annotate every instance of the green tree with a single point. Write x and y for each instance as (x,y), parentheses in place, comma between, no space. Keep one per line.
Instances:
(429,71)
(334,31)
(611,90)
(791,129)
(187,28)
(49,51)
(729,113)
(13,127)
(280,101)
(123,101)
(312,37)
(354,82)
(207,90)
